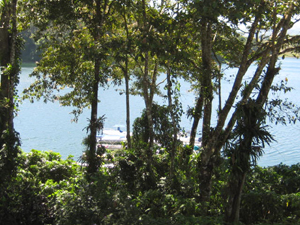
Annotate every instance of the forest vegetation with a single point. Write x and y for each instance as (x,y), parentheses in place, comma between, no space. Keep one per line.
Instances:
(154,179)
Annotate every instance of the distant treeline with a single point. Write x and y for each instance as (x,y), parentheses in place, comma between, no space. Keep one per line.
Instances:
(30,52)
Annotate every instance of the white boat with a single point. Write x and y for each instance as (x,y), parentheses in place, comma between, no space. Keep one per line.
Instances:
(117,131)
(185,139)
(112,138)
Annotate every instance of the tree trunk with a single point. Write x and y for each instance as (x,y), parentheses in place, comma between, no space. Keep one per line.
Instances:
(127,78)
(197,117)
(100,19)
(234,202)
(8,75)
(206,168)
(9,140)
(236,186)
(148,103)
(127,105)
(211,142)
(5,79)
(92,168)
(175,130)
(148,95)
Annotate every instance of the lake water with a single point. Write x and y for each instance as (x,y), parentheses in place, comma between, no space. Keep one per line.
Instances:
(49,127)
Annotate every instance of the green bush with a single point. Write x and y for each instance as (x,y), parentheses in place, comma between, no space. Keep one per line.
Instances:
(22,202)
(49,190)
(26,199)
(49,165)
(272,195)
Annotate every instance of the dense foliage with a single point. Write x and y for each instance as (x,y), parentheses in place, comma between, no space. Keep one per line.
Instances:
(50,190)
(155,179)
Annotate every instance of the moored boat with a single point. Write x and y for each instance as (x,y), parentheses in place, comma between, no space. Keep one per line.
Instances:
(112,138)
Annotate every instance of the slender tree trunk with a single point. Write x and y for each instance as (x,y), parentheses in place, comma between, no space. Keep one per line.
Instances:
(241,161)
(171,108)
(148,102)
(5,79)
(206,46)
(211,143)
(127,79)
(100,18)
(9,140)
(92,168)
(8,76)
(15,70)
(147,86)
(237,183)
(234,202)
(205,172)
(238,180)
(196,119)
(276,46)
(127,104)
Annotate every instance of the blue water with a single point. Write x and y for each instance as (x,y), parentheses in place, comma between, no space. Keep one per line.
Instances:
(50,127)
